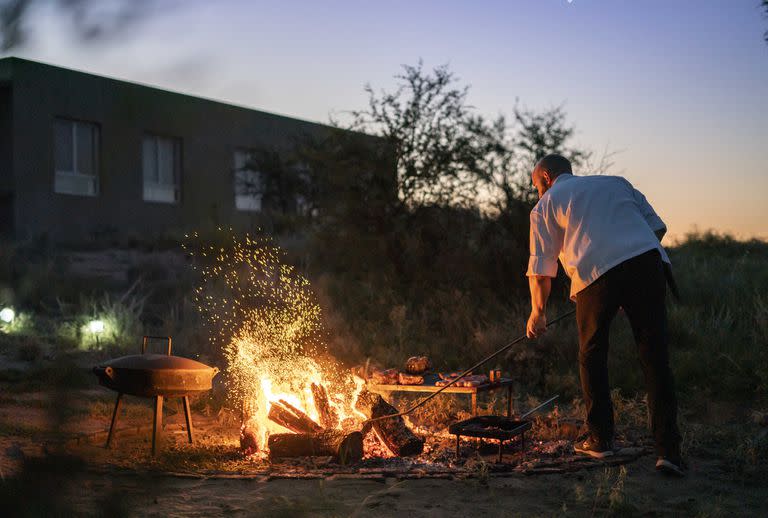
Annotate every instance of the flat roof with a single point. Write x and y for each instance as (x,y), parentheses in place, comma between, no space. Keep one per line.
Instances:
(7,62)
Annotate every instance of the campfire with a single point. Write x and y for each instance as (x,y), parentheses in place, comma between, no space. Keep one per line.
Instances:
(297,400)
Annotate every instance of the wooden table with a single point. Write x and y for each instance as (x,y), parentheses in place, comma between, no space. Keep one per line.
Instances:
(429,386)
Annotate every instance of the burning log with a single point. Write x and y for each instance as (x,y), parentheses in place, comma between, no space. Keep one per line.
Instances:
(248,442)
(345,447)
(393,432)
(328,416)
(290,417)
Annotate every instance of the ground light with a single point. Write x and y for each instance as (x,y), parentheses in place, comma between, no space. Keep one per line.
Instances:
(7,315)
(96,327)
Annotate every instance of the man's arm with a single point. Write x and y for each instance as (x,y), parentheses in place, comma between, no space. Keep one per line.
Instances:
(546,243)
(537,322)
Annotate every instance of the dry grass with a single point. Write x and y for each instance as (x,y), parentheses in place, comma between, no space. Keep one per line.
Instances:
(604,494)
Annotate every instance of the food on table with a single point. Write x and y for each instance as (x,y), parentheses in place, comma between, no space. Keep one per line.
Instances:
(384,377)
(477,379)
(470,380)
(417,365)
(394,377)
(410,379)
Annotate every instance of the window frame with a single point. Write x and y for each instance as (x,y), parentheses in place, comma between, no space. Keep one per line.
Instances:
(250,153)
(177,156)
(96,176)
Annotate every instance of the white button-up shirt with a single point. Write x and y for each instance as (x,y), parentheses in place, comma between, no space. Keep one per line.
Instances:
(591,223)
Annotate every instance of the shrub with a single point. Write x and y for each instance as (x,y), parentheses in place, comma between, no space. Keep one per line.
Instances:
(22,324)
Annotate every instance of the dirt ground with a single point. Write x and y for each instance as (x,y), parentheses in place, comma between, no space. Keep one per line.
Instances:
(53,462)
(636,490)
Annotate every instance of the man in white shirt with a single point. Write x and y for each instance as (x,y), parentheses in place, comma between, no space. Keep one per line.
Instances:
(607,237)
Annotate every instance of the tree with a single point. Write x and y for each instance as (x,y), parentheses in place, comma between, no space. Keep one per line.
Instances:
(279,179)
(447,154)
(90,20)
(438,141)
(534,135)
(765,7)
(350,176)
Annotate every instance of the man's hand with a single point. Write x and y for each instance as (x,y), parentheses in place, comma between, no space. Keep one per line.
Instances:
(537,324)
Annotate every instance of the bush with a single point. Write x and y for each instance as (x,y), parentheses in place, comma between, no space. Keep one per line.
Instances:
(22,324)
(719,326)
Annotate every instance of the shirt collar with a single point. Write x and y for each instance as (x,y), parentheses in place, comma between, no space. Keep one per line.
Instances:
(562,176)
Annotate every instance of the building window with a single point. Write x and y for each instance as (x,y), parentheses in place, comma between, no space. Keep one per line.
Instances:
(161,159)
(76,157)
(249,188)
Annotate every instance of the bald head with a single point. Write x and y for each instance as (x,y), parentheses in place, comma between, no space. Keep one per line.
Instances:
(547,170)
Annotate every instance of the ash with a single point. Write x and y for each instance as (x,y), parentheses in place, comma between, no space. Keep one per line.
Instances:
(476,457)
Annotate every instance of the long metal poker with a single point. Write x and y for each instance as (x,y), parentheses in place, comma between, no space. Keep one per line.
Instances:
(475,366)
(534,410)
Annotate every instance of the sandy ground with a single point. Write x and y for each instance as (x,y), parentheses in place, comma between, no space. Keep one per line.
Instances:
(45,478)
(638,491)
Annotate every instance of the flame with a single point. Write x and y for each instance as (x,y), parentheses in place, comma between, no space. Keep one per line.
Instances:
(270,325)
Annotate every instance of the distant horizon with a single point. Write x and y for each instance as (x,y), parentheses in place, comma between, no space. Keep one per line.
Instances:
(678,89)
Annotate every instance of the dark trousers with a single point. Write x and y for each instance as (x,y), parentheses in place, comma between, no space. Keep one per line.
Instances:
(639,286)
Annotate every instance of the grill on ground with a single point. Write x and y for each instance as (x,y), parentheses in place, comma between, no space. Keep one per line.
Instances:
(158,376)
(491,427)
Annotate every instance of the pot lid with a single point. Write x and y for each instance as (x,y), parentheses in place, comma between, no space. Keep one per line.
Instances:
(154,362)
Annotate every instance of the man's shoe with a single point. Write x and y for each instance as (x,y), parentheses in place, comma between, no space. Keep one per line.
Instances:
(594,448)
(670,467)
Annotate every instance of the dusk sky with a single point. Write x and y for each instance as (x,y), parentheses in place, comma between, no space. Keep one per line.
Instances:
(679,88)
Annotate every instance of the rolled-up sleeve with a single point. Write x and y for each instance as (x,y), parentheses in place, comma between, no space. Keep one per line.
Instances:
(650,216)
(546,243)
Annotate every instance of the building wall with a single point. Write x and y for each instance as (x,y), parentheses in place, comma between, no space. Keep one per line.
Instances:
(7,217)
(210,133)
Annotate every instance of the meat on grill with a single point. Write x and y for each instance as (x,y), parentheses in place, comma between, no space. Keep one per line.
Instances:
(385,377)
(417,365)
(409,379)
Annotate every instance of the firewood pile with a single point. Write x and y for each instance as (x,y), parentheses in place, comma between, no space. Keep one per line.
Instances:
(310,438)
(329,437)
